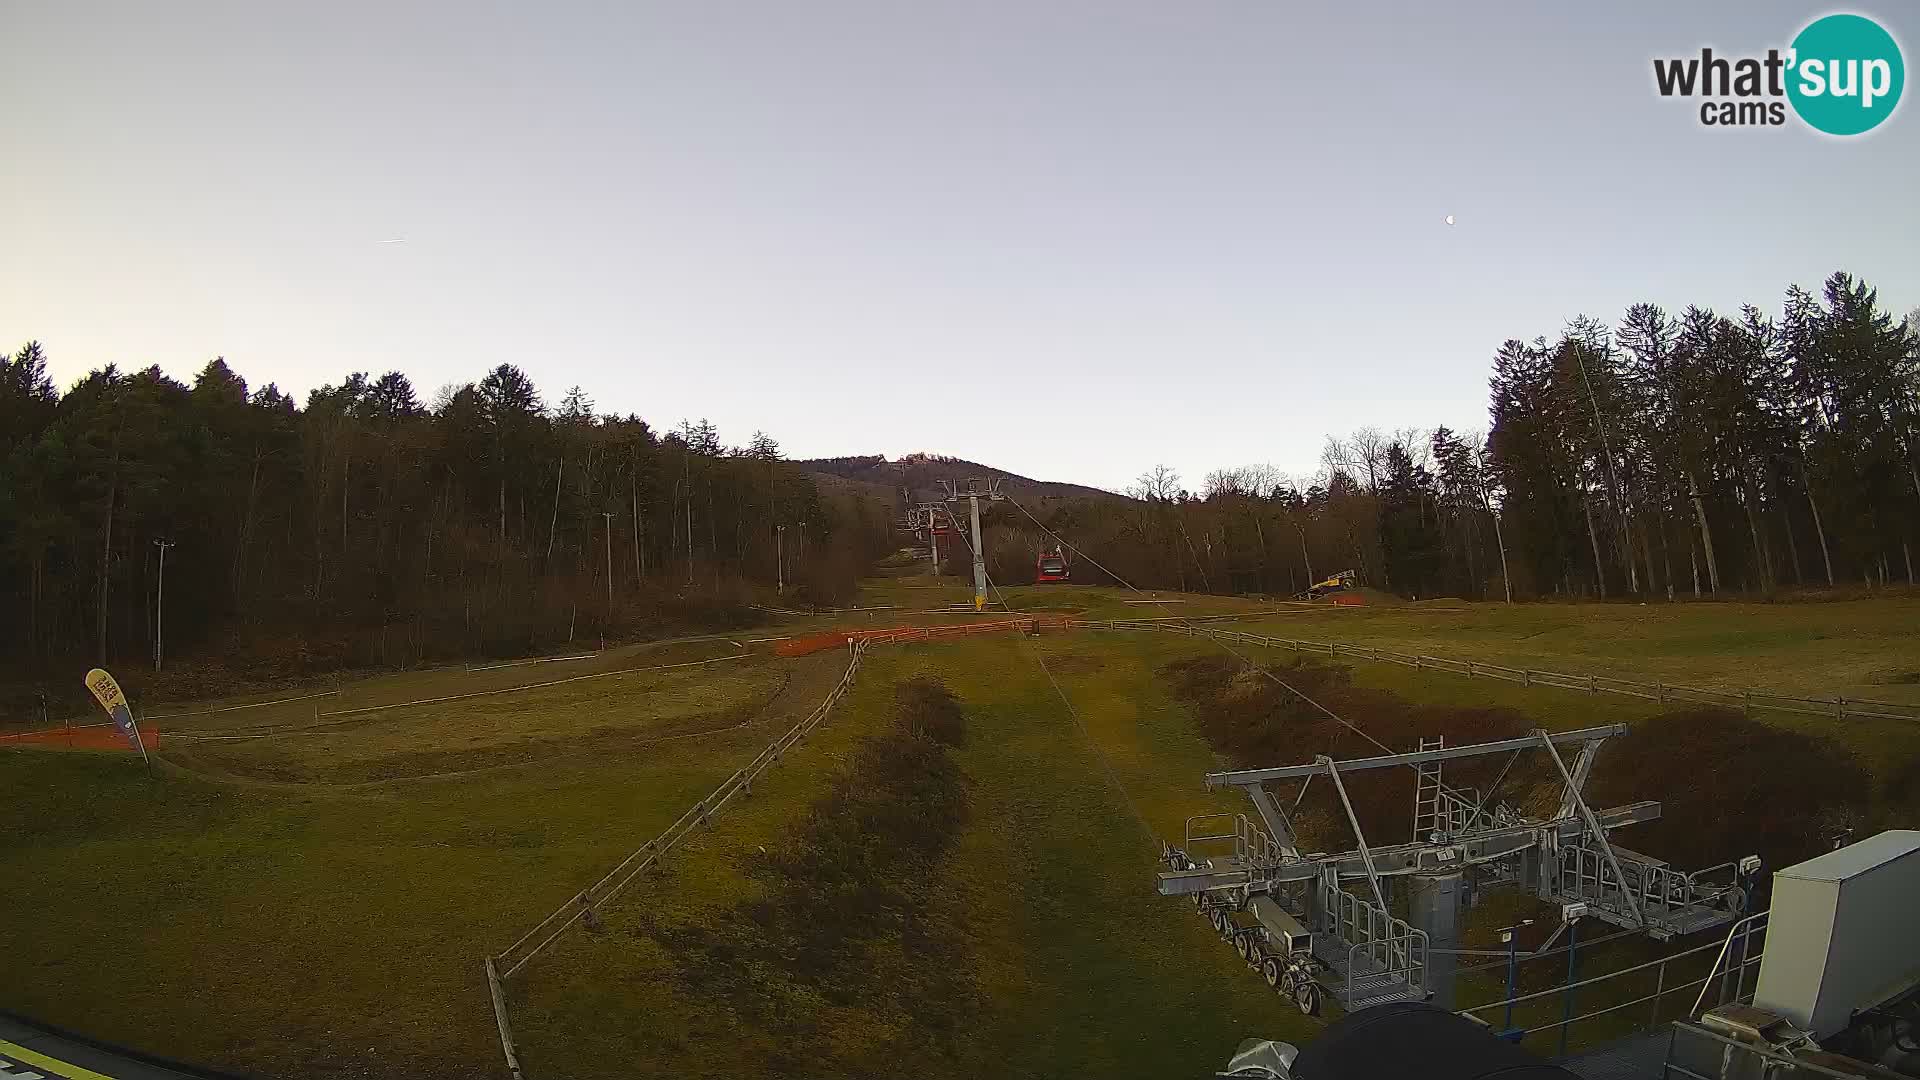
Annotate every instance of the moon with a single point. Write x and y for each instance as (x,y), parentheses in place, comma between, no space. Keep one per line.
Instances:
(1449,219)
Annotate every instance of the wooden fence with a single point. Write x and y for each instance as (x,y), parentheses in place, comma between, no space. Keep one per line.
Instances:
(834,639)
(584,904)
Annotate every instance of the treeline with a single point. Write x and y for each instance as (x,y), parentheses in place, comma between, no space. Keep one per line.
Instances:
(1668,456)
(366,527)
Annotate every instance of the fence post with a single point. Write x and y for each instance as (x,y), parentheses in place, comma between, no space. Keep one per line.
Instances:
(500,1019)
(1526,676)
(1590,687)
(1470,671)
(1746,704)
(1840,706)
(1660,691)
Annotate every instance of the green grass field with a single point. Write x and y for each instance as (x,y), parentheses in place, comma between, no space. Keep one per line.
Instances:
(318,902)
(1054,882)
(302,928)
(1859,648)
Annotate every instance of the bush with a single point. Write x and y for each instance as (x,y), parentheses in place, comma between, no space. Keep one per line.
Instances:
(1903,794)
(927,707)
(1731,786)
(1254,721)
(844,960)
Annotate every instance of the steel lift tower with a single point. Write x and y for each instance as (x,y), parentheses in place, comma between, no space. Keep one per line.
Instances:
(974,492)
(932,517)
(1316,923)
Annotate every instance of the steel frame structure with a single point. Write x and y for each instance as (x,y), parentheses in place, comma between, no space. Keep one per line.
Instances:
(1352,946)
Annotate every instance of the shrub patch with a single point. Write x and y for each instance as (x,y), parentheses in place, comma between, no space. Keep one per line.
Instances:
(844,961)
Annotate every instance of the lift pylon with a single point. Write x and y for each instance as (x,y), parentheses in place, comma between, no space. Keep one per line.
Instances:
(976,490)
(931,521)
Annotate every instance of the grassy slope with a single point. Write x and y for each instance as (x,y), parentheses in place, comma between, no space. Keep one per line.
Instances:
(1054,882)
(1878,746)
(534,725)
(1851,647)
(1816,649)
(342,926)
(917,595)
(350,691)
(315,930)
(1112,979)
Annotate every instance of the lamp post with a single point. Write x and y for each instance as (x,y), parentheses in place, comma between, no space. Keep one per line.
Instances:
(780,559)
(608,514)
(1572,914)
(1511,941)
(160,601)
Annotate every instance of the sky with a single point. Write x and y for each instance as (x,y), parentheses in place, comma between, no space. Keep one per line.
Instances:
(1070,239)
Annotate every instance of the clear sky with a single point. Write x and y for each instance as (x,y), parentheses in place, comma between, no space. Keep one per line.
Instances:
(1070,239)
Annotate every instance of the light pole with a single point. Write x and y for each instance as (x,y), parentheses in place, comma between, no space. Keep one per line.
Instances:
(1511,941)
(1572,914)
(780,559)
(160,601)
(608,514)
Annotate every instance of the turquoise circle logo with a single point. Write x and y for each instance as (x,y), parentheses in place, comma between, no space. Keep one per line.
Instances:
(1846,74)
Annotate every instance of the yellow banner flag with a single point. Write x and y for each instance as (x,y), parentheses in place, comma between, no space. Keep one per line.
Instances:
(105,690)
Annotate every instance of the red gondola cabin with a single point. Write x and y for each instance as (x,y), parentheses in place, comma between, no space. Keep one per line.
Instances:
(1050,566)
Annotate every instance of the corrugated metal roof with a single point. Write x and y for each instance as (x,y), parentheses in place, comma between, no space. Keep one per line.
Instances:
(1856,858)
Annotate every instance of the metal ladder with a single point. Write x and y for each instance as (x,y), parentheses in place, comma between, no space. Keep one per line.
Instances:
(1427,809)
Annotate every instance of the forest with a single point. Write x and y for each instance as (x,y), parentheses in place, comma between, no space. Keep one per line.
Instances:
(254,539)
(1669,457)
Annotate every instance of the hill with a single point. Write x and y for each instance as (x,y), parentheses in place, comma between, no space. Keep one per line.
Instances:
(921,474)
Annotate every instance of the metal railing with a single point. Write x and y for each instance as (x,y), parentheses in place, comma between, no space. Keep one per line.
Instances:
(1583,873)
(1725,980)
(1449,812)
(583,905)
(1733,961)
(1251,844)
(1392,947)
(1696,1053)
(1747,700)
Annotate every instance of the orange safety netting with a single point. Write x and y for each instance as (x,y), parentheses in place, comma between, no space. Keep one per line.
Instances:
(90,737)
(835,639)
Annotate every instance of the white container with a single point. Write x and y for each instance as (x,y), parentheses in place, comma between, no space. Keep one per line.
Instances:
(1844,933)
